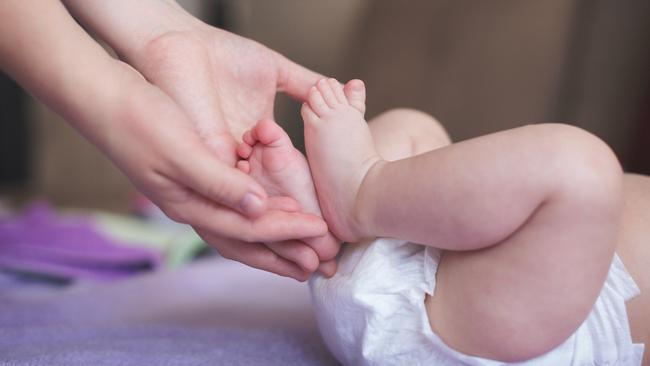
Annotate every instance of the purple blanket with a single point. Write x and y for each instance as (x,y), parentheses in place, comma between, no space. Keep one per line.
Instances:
(158,345)
(40,242)
(213,312)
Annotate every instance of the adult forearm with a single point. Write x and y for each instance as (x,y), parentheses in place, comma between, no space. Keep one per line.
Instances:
(46,51)
(129,26)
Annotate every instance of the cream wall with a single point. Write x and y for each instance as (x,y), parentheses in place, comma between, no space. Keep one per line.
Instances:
(315,34)
(71,172)
(478,66)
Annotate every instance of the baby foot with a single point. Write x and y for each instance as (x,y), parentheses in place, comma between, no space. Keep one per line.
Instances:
(340,151)
(283,171)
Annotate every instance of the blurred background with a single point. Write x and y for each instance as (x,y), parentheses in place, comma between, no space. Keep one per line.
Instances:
(477,66)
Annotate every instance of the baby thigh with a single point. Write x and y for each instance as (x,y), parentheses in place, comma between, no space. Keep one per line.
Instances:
(634,250)
(401,133)
(524,295)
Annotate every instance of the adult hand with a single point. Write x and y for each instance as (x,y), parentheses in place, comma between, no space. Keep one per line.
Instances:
(224,84)
(152,141)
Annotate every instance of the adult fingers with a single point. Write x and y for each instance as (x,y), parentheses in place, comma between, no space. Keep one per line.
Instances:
(293,79)
(272,226)
(255,255)
(297,252)
(283,203)
(328,269)
(198,169)
(327,246)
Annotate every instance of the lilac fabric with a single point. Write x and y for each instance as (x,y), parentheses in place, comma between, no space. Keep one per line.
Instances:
(138,345)
(211,312)
(40,242)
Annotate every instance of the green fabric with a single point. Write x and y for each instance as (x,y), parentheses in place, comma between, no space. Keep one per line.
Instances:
(177,243)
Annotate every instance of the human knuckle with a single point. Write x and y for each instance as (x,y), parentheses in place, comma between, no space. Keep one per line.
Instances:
(246,237)
(225,249)
(175,213)
(247,234)
(226,254)
(218,190)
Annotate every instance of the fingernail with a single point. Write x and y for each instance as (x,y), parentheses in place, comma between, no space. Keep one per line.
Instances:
(358,86)
(251,203)
(303,279)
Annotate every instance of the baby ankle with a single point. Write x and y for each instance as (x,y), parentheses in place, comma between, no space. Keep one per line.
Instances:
(363,211)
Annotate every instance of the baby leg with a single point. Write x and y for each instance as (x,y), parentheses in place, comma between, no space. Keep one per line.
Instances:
(398,133)
(634,250)
(524,295)
(417,133)
(536,209)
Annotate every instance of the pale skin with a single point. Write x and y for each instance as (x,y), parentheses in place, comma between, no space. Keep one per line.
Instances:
(169,114)
(166,56)
(488,203)
(269,157)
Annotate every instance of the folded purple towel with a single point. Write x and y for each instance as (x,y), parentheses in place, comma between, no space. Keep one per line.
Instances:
(39,241)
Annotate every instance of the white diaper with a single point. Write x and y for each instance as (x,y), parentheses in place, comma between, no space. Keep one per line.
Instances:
(372,313)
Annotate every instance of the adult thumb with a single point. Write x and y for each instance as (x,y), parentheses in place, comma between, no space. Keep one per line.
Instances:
(293,79)
(222,183)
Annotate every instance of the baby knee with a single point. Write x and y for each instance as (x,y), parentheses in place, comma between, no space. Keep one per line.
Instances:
(584,167)
(425,131)
(425,123)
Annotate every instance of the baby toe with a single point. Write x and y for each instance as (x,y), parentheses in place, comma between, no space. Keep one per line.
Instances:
(244,150)
(327,92)
(338,91)
(249,138)
(308,115)
(244,166)
(270,133)
(355,91)
(316,102)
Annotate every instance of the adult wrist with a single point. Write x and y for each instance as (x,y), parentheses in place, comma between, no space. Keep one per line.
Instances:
(93,106)
(130,26)
(177,27)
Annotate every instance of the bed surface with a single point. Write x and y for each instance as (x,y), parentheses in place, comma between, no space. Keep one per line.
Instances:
(210,312)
